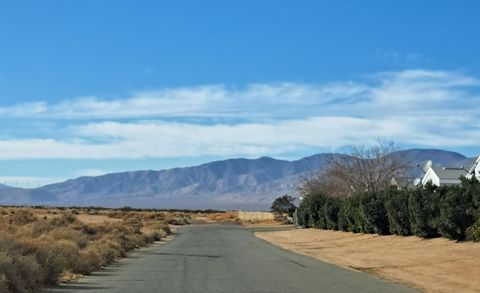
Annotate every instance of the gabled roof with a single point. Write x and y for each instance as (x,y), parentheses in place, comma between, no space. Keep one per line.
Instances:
(446,173)
(477,162)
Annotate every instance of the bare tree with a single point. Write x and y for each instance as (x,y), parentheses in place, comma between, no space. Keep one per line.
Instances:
(361,169)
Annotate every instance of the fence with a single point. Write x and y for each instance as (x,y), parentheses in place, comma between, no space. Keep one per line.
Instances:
(255,216)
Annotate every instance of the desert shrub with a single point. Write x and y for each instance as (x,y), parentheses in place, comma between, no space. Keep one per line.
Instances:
(22,217)
(108,251)
(19,273)
(348,216)
(88,261)
(68,251)
(82,241)
(154,236)
(65,219)
(52,263)
(3,281)
(396,206)
(135,223)
(160,227)
(65,233)
(28,273)
(38,251)
(178,221)
(424,210)
(455,214)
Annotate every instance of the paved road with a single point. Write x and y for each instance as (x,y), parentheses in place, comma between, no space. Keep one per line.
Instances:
(225,259)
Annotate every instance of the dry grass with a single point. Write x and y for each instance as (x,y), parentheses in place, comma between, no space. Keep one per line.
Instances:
(265,223)
(96,219)
(230,216)
(435,265)
(40,246)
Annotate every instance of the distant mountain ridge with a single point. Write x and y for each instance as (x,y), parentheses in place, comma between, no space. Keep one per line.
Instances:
(3,186)
(228,184)
(15,195)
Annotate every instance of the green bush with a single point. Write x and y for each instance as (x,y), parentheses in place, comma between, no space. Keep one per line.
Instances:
(473,232)
(454,215)
(329,217)
(471,187)
(427,211)
(319,211)
(373,214)
(396,206)
(348,216)
(306,214)
(315,208)
(283,208)
(302,214)
(423,205)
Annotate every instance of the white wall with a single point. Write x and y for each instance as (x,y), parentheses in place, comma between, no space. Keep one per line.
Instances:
(477,170)
(432,177)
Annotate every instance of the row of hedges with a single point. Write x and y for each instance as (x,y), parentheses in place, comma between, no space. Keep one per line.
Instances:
(428,211)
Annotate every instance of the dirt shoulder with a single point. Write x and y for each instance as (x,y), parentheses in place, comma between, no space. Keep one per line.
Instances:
(265,224)
(434,265)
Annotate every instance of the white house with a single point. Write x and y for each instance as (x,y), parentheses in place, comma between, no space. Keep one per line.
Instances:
(475,170)
(443,175)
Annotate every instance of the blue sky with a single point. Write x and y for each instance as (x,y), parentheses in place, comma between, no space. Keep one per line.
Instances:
(89,87)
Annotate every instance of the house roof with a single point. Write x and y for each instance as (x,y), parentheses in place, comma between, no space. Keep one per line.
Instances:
(477,162)
(445,173)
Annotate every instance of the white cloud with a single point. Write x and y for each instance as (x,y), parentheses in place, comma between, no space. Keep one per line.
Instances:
(163,139)
(404,89)
(27,181)
(415,107)
(279,100)
(24,110)
(90,172)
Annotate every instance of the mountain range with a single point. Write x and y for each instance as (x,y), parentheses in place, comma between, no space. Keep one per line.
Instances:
(228,184)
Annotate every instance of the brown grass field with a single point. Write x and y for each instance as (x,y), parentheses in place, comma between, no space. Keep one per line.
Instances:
(433,265)
(44,246)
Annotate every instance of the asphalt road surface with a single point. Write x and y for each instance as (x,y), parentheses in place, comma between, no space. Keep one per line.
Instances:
(225,259)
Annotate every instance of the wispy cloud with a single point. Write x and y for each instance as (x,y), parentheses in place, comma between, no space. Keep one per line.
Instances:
(212,101)
(90,172)
(27,181)
(415,107)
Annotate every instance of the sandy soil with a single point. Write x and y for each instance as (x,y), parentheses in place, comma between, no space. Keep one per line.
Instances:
(95,219)
(264,224)
(434,265)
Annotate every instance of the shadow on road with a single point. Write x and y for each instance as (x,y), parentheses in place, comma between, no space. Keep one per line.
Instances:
(271,229)
(182,254)
(68,288)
